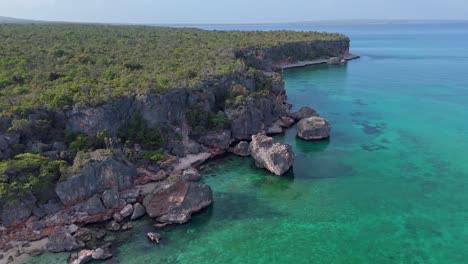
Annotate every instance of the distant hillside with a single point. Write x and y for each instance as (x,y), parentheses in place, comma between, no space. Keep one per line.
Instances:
(15,20)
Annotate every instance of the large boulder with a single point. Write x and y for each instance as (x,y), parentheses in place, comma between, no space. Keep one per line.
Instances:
(62,240)
(304,112)
(313,128)
(138,211)
(174,203)
(273,156)
(102,170)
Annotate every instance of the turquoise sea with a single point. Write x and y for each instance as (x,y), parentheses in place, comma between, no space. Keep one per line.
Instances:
(390,186)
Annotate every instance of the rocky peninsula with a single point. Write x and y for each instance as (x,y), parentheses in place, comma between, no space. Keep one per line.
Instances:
(118,182)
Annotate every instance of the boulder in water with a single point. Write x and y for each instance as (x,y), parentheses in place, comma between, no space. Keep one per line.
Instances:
(313,128)
(273,156)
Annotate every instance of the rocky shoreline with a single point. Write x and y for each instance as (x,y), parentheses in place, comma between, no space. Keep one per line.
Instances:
(106,187)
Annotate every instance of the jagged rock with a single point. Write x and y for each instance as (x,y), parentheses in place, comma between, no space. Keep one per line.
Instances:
(191,174)
(103,171)
(241,149)
(102,253)
(92,206)
(220,140)
(287,121)
(81,257)
(110,199)
(127,211)
(313,128)
(14,212)
(86,255)
(334,60)
(118,217)
(113,226)
(130,194)
(154,237)
(175,199)
(61,240)
(52,206)
(84,234)
(126,226)
(59,146)
(255,116)
(138,211)
(304,112)
(276,128)
(273,156)
(36,225)
(182,148)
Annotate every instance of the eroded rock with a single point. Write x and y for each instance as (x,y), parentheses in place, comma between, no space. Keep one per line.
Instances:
(241,149)
(175,202)
(273,156)
(313,128)
(61,240)
(304,112)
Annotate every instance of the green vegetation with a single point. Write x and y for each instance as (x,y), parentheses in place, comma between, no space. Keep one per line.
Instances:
(28,173)
(138,132)
(58,66)
(153,155)
(203,121)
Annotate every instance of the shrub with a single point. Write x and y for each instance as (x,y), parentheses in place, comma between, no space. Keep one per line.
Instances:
(28,173)
(138,132)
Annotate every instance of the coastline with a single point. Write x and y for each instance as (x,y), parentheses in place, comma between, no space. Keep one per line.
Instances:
(306,63)
(148,181)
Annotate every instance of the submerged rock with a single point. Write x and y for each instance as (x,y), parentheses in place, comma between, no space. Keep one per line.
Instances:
(154,237)
(313,128)
(304,112)
(273,156)
(175,202)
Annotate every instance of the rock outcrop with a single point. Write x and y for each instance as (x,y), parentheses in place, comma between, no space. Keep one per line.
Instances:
(304,112)
(273,156)
(174,203)
(313,128)
(103,171)
(62,240)
(14,212)
(220,140)
(255,116)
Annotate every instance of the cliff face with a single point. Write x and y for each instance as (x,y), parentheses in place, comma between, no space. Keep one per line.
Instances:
(158,110)
(263,107)
(169,110)
(272,59)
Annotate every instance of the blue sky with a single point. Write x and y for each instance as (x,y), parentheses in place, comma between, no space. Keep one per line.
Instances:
(232,11)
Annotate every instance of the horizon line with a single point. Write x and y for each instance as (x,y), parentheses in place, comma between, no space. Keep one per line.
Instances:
(324,21)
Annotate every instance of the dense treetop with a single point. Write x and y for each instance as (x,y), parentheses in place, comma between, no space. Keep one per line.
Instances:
(57,66)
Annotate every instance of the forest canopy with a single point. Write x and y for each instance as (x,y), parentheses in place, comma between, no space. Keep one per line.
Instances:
(60,65)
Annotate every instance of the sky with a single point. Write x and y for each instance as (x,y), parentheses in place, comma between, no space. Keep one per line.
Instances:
(230,11)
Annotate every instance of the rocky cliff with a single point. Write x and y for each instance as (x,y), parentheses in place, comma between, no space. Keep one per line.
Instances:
(102,182)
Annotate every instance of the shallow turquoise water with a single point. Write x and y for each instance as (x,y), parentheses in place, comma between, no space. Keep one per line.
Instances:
(389,187)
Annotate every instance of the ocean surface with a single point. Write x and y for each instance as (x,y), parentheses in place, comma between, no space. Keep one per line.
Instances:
(390,186)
